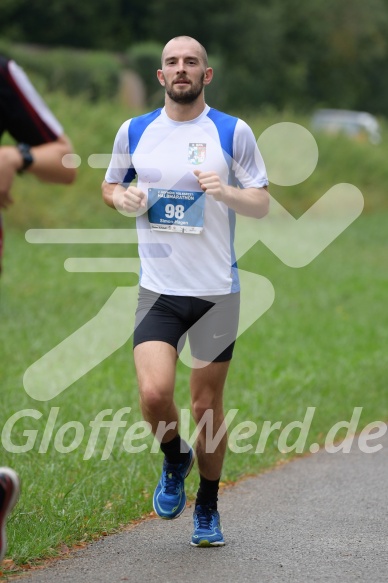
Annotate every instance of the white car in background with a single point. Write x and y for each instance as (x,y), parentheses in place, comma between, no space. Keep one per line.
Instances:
(359,125)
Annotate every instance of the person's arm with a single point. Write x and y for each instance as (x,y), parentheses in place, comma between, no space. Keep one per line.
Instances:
(130,200)
(251,202)
(117,191)
(248,195)
(47,165)
(48,161)
(10,160)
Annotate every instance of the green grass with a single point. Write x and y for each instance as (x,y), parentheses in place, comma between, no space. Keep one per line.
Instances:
(322,344)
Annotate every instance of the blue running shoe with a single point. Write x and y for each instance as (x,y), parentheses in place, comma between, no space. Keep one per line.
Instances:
(169,496)
(207,528)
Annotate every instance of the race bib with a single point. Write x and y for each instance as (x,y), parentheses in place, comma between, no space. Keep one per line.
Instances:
(178,211)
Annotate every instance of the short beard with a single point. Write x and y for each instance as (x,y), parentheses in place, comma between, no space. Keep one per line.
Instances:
(188,96)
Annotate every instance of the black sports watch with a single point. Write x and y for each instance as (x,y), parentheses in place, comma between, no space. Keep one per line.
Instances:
(28,158)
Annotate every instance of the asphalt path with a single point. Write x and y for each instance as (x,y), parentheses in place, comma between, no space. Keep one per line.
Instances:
(320,518)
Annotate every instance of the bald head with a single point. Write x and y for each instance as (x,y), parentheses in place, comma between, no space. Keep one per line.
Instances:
(189,44)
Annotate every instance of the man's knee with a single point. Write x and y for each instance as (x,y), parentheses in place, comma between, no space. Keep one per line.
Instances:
(206,408)
(155,398)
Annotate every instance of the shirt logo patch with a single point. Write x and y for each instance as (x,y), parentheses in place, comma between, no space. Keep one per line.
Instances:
(197,153)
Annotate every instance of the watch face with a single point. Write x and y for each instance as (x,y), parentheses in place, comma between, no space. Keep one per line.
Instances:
(28,158)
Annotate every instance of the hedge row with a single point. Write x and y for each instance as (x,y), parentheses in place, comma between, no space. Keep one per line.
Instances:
(96,74)
(93,74)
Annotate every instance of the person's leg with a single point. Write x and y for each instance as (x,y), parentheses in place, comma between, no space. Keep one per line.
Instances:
(158,328)
(212,341)
(9,494)
(155,366)
(207,386)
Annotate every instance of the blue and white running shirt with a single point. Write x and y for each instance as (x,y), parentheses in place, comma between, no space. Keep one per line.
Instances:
(185,236)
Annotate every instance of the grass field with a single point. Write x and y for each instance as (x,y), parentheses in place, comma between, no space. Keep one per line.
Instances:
(322,344)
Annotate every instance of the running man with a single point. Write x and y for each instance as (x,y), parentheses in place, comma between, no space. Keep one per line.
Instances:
(196,168)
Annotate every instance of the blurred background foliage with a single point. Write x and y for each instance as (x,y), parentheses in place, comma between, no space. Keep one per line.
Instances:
(296,54)
(324,342)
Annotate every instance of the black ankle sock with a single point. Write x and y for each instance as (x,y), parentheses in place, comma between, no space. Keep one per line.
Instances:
(207,493)
(172,450)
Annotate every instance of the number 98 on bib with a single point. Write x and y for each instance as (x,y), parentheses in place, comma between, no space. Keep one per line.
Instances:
(179,211)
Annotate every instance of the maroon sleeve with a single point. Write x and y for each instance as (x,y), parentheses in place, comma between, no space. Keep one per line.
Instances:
(23,113)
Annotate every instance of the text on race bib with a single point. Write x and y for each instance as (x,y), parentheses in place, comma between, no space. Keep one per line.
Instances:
(178,211)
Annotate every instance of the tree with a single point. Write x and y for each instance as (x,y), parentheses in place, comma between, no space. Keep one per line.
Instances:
(298,53)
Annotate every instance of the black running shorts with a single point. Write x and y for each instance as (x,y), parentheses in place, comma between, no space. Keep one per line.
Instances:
(210,322)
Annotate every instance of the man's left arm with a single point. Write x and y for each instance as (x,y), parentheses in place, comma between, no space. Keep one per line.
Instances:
(250,202)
